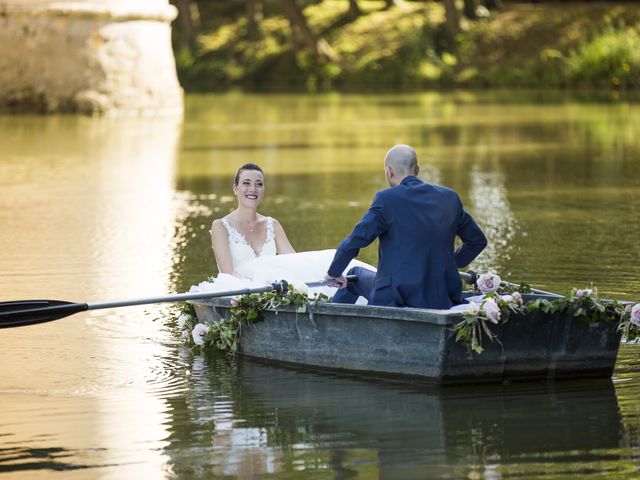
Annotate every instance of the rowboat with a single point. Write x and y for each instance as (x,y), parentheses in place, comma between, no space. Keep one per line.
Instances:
(420,345)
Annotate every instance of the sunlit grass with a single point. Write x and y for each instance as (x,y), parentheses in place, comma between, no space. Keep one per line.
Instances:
(611,58)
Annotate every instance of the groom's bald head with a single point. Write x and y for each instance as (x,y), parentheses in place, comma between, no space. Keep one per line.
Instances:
(400,161)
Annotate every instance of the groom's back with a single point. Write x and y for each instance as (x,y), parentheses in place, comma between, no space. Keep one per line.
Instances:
(417,248)
(419,210)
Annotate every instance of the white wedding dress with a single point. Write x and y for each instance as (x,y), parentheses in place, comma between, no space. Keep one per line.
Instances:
(259,268)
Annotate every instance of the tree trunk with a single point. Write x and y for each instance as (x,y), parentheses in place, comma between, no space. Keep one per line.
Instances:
(389,4)
(254,18)
(470,9)
(354,9)
(188,34)
(452,19)
(303,34)
(493,4)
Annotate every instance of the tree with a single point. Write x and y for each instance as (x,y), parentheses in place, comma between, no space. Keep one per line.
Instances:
(354,9)
(452,19)
(187,23)
(320,49)
(470,9)
(493,4)
(389,4)
(254,17)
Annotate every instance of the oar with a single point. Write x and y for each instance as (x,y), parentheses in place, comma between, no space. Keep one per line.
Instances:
(29,312)
(470,277)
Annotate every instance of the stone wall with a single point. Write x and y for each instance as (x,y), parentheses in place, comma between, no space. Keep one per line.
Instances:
(105,57)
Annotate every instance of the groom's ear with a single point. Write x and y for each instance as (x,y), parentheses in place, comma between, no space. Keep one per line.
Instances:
(388,171)
(417,170)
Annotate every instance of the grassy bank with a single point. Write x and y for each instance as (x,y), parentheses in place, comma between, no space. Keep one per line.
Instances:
(592,45)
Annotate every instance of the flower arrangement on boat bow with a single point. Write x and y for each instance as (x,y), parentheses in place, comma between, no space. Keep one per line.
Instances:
(501,300)
(246,309)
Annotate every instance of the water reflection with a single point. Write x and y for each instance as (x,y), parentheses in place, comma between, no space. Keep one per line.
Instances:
(87,211)
(493,211)
(254,418)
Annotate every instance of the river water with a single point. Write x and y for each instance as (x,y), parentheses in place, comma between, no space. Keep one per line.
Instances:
(95,209)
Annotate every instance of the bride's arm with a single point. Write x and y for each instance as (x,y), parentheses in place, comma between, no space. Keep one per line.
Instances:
(282,242)
(220,244)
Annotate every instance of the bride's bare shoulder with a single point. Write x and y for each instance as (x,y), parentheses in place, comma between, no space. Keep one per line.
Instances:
(218,226)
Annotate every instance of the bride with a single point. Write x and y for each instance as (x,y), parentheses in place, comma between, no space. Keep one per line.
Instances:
(252,250)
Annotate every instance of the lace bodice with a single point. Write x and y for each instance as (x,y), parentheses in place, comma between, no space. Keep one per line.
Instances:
(242,251)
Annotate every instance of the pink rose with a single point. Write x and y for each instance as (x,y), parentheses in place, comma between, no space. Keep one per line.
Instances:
(492,310)
(635,315)
(584,292)
(234,302)
(488,282)
(517,297)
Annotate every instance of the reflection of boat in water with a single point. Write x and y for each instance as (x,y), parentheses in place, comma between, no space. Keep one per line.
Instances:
(543,416)
(419,343)
(244,415)
(409,431)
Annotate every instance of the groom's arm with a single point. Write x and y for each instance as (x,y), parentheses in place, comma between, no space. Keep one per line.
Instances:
(370,226)
(473,239)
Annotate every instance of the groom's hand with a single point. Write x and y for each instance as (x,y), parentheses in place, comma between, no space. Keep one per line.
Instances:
(340,282)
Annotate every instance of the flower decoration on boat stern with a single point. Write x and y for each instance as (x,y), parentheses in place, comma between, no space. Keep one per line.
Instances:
(488,282)
(492,309)
(630,324)
(635,315)
(500,300)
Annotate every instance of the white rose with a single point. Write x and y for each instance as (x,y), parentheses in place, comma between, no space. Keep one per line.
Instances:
(492,310)
(515,299)
(198,333)
(299,286)
(182,319)
(473,308)
(185,334)
(584,292)
(635,315)
(488,282)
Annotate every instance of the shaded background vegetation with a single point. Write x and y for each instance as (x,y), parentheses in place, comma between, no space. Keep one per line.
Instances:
(356,45)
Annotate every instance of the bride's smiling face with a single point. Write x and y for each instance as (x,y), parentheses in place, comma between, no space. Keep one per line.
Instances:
(250,188)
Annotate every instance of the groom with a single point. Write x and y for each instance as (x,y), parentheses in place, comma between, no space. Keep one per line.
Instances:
(416,224)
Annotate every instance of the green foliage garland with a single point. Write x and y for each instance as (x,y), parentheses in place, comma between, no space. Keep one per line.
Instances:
(583,304)
(225,334)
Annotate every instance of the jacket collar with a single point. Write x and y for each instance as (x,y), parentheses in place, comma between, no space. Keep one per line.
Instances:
(410,180)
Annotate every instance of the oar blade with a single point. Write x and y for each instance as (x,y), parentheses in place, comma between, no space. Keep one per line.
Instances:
(29,312)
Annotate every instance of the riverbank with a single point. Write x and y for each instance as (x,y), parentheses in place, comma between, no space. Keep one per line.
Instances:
(574,45)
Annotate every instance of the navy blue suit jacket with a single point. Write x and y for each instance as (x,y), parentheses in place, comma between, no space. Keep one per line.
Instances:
(417,224)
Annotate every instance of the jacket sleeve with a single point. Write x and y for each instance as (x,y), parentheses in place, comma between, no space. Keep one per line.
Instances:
(473,239)
(371,225)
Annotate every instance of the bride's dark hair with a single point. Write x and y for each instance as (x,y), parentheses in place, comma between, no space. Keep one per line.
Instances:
(246,166)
